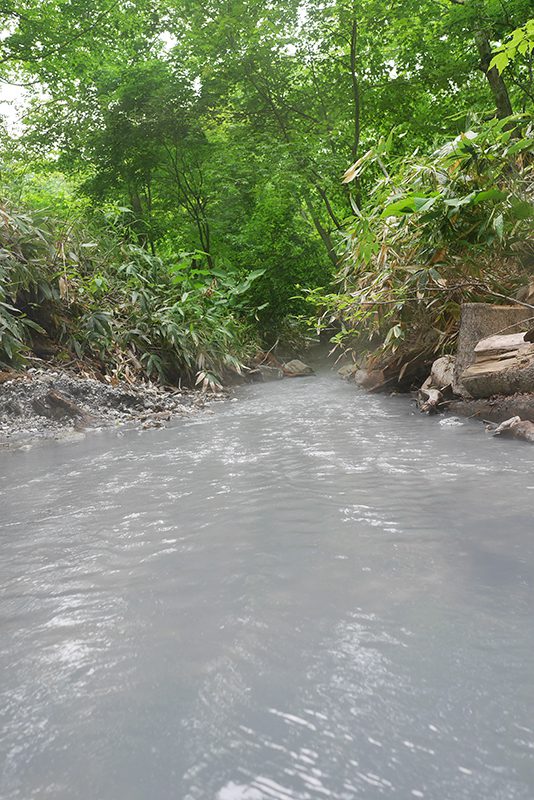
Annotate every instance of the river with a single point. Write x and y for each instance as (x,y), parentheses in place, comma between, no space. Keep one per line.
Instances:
(310,593)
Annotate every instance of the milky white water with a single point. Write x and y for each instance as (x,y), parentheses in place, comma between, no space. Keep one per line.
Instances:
(310,593)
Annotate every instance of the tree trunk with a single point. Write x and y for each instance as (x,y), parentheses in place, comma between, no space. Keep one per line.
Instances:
(323,233)
(494,78)
(355,90)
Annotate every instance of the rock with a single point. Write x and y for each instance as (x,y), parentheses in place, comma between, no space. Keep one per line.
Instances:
(160,416)
(8,376)
(479,321)
(369,379)
(524,430)
(442,373)
(517,428)
(153,423)
(254,376)
(503,373)
(270,373)
(429,400)
(496,409)
(348,371)
(54,405)
(297,369)
(13,407)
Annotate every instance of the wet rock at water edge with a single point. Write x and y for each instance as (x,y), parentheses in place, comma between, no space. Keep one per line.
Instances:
(442,373)
(268,373)
(504,365)
(55,405)
(479,321)
(516,428)
(297,369)
(348,371)
(369,379)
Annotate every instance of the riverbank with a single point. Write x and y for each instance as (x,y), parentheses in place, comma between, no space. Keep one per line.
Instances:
(60,404)
(50,402)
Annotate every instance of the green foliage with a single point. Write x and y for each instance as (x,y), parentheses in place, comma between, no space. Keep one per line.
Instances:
(26,265)
(276,239)
(156,127)
(436,231)
(519,43)
(137,314)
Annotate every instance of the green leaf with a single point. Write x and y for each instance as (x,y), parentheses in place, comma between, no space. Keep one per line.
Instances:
(403,206)
(498,226)
(500,61)
(522,209)
(489,194)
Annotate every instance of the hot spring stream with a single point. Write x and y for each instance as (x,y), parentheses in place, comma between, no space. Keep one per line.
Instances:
(310,593)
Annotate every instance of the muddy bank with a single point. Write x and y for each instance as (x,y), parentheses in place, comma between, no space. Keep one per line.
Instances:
(57,404)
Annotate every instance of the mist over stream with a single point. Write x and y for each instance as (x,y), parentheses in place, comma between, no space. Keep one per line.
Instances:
(310,593)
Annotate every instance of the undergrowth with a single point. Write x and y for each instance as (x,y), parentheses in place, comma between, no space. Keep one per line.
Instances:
(99,296)
(435,231)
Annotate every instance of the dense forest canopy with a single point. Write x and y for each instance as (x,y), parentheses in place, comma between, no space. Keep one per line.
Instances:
(189,156)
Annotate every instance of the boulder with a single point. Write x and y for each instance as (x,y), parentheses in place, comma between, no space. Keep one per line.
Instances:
(370,379)
(442,373)
(270,373)
(517,428)
(297,369)
(56,406)
(504,365)
(348,371)
(479,321)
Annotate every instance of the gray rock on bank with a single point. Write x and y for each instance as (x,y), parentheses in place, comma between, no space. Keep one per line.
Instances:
(503,365)
(479,321)
(297,369)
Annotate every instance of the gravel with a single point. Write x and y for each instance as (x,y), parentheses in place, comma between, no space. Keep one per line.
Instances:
(43,403)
